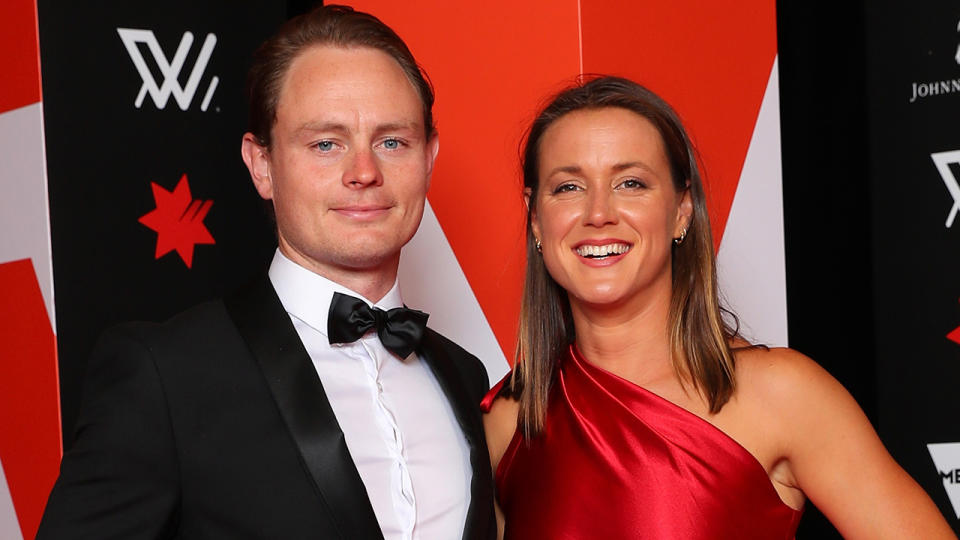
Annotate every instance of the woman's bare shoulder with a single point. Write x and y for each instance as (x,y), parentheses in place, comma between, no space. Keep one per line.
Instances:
(781,373)
(828,442)
(800,400)
(503,410)
(500,424)
(791,390)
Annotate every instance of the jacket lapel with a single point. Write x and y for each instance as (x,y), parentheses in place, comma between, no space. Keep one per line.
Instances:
(443,364)
(298,392)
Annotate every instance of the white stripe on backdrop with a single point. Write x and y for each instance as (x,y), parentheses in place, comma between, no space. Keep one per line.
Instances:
(751,256)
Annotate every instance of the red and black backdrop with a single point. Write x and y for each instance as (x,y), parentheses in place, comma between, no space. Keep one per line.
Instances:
(150,207)
(125,197)
(873,267)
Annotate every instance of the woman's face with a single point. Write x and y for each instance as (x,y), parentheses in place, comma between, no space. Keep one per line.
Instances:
(607,210)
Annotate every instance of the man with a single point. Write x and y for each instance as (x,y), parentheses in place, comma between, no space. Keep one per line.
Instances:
(312,404)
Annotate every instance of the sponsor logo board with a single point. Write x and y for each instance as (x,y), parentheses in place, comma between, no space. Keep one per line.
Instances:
(941,87)
(178,221)
(946,458)
(170,69)
(943,160)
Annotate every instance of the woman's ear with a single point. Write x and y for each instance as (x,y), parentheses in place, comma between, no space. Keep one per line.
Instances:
(684,212)
(532,211)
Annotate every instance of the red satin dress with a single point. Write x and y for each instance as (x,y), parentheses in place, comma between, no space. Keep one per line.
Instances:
(617,461)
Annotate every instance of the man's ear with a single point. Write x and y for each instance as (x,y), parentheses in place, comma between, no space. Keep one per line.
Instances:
(432,149)
(257,159)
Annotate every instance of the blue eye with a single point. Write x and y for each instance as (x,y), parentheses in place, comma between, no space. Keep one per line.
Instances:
(391,144)
(324,146)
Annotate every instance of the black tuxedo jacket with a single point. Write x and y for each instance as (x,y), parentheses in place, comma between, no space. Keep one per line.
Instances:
(215,425)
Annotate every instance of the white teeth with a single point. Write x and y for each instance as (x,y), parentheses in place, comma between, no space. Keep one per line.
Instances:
(603,251)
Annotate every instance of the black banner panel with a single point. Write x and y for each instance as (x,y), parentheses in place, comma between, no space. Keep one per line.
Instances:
(914,108)
(151,207)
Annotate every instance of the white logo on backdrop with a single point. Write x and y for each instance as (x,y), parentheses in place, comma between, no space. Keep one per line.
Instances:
(170,69)
(943,160)
(920,90)
(946,458)
(957,57)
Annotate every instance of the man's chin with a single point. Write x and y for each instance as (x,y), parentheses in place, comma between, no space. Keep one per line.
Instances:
(366,258)
(356,251)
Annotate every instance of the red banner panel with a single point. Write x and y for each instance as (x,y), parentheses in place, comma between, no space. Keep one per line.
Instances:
(19,62)
(709,60)
(491,64)
(29,395)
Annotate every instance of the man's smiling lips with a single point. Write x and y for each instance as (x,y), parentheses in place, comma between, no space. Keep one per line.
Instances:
(362,212)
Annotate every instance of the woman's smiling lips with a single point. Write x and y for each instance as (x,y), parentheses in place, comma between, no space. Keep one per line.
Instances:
(601,252)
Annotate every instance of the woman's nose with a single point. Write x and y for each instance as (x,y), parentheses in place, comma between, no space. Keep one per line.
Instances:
(601,209)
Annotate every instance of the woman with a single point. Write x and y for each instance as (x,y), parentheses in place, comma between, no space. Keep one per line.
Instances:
(635,410)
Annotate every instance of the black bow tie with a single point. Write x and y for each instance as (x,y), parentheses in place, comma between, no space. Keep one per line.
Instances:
(400,329)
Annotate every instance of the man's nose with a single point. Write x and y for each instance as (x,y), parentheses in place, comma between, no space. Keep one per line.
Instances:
(362,170)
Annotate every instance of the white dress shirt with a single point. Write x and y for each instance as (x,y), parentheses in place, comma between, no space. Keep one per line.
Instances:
(406,443)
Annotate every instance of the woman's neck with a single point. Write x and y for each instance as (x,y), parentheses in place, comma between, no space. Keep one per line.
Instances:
(630,340)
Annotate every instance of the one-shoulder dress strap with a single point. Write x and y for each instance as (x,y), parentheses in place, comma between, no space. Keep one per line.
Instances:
(498,389)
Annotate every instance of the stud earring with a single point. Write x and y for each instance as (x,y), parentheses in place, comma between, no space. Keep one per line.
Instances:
(539,246)
(683,236)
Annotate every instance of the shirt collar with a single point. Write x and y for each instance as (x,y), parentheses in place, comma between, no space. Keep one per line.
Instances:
(306,295)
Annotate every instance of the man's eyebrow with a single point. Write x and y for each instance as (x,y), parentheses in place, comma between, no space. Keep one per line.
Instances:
(408,128)
(392,126)
(322,126)
(338,127)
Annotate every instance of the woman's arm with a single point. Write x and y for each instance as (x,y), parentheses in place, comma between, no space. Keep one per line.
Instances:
(500,424)
(837,459)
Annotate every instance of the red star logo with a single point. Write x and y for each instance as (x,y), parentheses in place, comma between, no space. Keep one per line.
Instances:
(954,335)
(178,220)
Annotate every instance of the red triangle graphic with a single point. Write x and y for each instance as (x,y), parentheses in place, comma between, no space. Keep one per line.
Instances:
(20,63)
(30,445)
(712,62)
(954,335)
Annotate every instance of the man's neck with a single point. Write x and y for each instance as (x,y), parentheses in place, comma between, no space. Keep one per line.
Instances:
(372,283)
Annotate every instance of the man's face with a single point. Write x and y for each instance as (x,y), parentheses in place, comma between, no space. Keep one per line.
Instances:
(349,165)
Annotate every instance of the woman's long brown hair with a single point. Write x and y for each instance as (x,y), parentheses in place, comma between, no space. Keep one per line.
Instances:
(700,338)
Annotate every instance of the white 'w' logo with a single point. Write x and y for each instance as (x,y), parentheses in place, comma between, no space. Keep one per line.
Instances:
(943,160)
(169,69)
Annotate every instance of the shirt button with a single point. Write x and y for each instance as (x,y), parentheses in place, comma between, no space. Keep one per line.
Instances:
(380,387)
